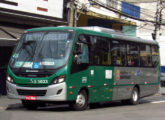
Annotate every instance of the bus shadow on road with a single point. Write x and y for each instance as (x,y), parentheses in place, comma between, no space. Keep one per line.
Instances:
(56,108)
(114,104)
(67,108)
(16,106)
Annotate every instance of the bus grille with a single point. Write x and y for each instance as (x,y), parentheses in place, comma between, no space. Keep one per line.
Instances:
(32,92)
(33,75)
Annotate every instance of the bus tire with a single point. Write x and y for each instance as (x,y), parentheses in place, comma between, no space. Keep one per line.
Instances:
(134,100)
(134,96)
(31,105)
(81,102)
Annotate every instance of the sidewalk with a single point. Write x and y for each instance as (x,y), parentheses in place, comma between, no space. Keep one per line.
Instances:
(5,101)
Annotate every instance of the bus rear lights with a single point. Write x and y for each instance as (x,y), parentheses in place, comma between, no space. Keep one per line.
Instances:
(9,79)
(59,79)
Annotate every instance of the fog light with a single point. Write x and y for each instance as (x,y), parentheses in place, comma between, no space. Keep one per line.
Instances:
(59,91)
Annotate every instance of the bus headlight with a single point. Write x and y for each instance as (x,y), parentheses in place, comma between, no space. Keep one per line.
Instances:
(9,79)
(57,80)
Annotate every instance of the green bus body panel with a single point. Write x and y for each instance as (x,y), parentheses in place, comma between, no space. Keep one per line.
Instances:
(93,79)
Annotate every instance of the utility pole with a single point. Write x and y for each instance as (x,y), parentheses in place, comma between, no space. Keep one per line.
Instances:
(71,13)
(156,35)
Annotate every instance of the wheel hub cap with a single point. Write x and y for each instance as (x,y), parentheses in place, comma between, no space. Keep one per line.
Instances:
(135,96)
(80,100)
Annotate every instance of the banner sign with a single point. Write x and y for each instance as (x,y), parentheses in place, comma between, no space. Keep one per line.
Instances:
(51,8)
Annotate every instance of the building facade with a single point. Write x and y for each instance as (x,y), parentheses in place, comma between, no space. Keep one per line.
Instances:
(107,13)
(18,15)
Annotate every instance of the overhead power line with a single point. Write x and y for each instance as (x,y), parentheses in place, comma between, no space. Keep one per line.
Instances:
(119,12)
(123,14)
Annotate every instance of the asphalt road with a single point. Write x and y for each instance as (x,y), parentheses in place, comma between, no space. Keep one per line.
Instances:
(150,108)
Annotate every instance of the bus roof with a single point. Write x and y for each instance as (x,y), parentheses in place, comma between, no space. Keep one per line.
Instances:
(120,35)
(115,34)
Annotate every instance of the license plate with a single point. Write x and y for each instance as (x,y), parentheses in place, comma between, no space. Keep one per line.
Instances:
(31,97)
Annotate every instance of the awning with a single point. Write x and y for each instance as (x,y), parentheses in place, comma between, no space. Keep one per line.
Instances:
(8,42)
(97,15)
(9,35)
(10,32)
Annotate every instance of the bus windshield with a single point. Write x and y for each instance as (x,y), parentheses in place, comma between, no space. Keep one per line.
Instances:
(43,50)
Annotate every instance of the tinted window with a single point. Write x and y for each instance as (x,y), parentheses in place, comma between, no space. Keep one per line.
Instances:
(84,56)
(99,51)
(132,55)
(118,53)
(145,56)
(155,56)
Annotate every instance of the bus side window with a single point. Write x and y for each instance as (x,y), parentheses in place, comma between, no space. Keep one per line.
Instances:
(95,53)
(132,55)
(100,51)
(155,55)
(118,53)
(145,56)
(81,55)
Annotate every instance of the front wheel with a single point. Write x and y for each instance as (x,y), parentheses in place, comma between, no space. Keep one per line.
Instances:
(81,102)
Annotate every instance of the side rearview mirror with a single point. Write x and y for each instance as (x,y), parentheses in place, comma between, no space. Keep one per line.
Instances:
(78,48)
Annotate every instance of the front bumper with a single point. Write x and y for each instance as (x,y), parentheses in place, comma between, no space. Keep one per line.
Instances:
(52,92)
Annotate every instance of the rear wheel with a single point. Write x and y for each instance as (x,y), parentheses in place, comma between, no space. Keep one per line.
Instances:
(134,96)
(134,100)
(81,102)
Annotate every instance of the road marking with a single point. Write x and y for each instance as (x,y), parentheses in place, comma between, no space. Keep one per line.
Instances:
(158,101)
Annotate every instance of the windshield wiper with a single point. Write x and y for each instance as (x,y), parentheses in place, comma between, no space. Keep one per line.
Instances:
(39,47)
(32,53)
